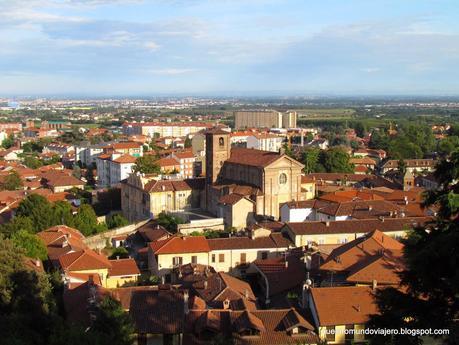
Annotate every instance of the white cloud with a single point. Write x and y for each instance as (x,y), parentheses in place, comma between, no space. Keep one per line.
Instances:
(172,71)
(371,69)
(153,46)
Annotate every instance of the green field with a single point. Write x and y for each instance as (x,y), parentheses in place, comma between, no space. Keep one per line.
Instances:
(325,113)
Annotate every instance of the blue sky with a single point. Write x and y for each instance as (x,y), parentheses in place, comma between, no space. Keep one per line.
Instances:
(229,47)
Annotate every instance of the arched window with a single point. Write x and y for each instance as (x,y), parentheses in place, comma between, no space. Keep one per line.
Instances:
(221,141)
(282,178)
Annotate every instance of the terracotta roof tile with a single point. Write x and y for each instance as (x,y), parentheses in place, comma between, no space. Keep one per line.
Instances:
(355,225)
(123,267)
(177,245)
(343,305)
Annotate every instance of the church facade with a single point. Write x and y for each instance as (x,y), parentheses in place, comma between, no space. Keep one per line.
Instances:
(266,178)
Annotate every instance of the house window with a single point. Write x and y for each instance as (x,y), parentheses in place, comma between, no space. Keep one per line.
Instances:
(282,178)
(264,255)
(221,141)
(176,261)
(243,258)
(221,257)
(213,257)
(349,333)
(330,335)
(194,259)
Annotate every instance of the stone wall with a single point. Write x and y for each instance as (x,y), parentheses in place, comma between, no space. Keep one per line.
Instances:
(100,241)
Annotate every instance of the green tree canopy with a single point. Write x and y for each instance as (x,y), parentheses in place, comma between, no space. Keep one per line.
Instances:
(147,165)
(39,210)
(310,159)
(448,145)
(8,142)
(169,221)
(15,225)
(116,221)
(33,246)
(335,159)
(86,221)
(32,162)
(27,306)
(12,181)
(113,323)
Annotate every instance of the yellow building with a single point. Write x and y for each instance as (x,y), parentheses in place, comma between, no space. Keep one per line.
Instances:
(87,265)
(144,196)
(165,255)
(339,232)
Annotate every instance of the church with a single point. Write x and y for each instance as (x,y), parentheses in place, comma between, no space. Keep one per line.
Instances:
(244,183)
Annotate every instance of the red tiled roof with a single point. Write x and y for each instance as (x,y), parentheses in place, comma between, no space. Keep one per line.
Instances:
(252,157)
(275,240)
(343,305)
(123,267)
(177,245)
(83,260)
(355,225)
(125,159)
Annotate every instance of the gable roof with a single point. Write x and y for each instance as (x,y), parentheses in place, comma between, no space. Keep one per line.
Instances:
(123,267)
(274,240)
(343,305)
(125,159)
(157,311)
(349,254)
(179,245)
(83,260)
(257,158)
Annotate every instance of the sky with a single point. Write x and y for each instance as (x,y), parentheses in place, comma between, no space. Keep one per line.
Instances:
(229,47)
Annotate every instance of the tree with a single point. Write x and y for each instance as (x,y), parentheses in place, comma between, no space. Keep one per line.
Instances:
(401,167)
(187,142)
(15,225)
(310,158)
(448,145)
(86,221)
(32,162)
(39,210)
(8,142)
(147,165)
(12,181)
(119,252)
(116,221)
(63,214)
(113,323)
(33,246)
(168,221)
(430,297)
(335,159)
(27,307)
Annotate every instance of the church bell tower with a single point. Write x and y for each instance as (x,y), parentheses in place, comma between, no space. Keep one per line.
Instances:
(218,150)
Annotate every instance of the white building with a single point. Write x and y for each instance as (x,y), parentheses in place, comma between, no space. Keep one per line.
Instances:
(87,154)
(112,168)
(265,142)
